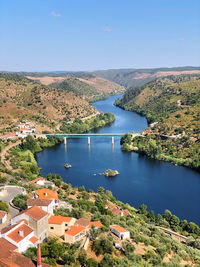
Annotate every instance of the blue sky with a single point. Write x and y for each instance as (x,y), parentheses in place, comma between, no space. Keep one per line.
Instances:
(47,35)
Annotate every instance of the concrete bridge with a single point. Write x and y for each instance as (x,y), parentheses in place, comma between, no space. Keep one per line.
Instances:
(87,135)
(177,236)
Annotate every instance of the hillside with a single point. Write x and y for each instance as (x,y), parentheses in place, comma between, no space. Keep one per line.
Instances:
(47,107)
(87,86)
(137,77)
(172,105)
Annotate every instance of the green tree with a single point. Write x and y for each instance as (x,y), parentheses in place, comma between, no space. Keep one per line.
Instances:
(4,206)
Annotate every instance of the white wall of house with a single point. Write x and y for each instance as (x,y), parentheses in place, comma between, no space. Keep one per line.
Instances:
(3,220)
(122,235)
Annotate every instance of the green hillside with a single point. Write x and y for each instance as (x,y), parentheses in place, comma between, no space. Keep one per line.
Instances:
(172,104)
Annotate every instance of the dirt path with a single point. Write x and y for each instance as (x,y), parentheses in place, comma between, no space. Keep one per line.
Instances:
(3,154)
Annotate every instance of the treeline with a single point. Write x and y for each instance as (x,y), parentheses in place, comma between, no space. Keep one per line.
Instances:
(80,126)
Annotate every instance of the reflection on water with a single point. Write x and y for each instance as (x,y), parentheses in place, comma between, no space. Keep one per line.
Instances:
(159,185)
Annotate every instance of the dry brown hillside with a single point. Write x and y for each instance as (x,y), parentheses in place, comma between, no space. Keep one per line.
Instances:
(21,98)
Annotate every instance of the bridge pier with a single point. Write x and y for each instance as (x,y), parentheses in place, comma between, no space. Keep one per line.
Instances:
(65,140)
(88,141)
(113,140)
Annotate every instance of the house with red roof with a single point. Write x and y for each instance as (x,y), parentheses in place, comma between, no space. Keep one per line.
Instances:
(45,204)
(40,181)
(36,218)
(75,233)
(59,224)
(96,224)
(19,235)
(119,231)
(3,216)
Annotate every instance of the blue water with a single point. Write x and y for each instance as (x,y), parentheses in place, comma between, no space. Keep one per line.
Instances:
(158,184)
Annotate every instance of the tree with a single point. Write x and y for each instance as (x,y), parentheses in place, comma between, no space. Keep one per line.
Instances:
(127,247)
(91,263)
(4,206)
(20,201)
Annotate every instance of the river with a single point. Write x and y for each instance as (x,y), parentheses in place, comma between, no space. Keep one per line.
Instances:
(157,184)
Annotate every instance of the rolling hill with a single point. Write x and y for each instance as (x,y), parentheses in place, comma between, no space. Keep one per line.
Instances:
(172,105)
(137,77)
(24,99)
(87,86)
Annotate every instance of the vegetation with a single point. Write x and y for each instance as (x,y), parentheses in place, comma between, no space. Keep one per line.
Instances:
(131,78)
(20,201)
(80,126)
(4,206)
(171,104)
(46,107)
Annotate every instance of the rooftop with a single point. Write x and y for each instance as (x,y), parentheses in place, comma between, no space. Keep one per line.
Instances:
(45,193)
(95,224)
(38,202)
(2,214)
(83,222)
(59,219)
(119,228)
(24,229)
(37,179)
(5,248)
(34,212)
(74,230)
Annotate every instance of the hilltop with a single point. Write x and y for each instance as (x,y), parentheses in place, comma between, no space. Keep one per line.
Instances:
(137,77)
(47,107)
(88,86)
(172,106)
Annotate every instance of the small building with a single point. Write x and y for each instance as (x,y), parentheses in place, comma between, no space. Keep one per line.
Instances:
(83,222)
(44,204)
(74,233)
(20,235)
(119,231)
(96,225)
(119,211)
(36,218)
(3,216)
(42,182)
(58,225)
(45,193)
(27,130)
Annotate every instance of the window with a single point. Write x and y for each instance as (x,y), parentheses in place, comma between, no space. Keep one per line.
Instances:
(51,227)
(66,224)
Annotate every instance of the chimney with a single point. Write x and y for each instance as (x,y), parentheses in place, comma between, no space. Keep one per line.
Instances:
(39,259)
(21,233)
(45,193)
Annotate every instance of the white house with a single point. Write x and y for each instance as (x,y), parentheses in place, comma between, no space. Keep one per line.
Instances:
(20,235)
(3,216)
(36,218)
(121,232)
(41,181)
(45,204)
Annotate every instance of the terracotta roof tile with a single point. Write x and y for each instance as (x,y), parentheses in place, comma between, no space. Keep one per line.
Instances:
(15,234)
(74,230)
(83,222)
(34,212)
(119,228)
(45,193)
(7,228)
(33,239)
(6,248)
(38,202)
(59,219)
(95,224)
(2,214)
(37,179)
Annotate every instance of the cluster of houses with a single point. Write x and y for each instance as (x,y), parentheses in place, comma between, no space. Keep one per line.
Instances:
(32,226)
(24,129)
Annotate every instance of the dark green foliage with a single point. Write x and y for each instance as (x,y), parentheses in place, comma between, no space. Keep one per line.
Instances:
(4,206)
(102,246)
(20,201)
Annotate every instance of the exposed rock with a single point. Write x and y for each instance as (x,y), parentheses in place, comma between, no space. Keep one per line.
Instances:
(111,173)
(67,166)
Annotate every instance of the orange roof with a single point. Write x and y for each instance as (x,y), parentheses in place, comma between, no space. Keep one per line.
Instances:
(6,247)
(2,214)
(74,230)
(45,193)
(37,179)
(33,239)
(15,234)
(34,212)
(59,219)
(119,228)
(95,224)
(25,129)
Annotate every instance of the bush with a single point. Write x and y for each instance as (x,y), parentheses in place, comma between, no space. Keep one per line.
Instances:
(4,206)
(20,201)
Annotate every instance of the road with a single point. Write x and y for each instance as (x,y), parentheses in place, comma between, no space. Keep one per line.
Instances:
(8,194)
(3,154)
